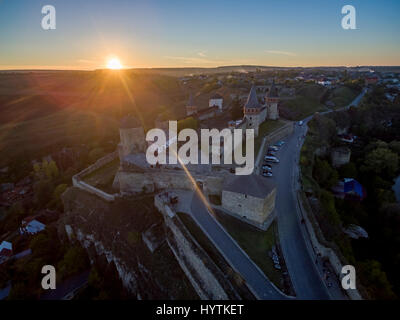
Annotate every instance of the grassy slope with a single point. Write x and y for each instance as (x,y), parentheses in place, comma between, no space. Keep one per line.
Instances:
(307,102)
(215,255)
(42,112)
(342,96)
(266,128)
(255,243)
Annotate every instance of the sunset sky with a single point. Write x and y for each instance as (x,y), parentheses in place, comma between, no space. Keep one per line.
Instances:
(178,33)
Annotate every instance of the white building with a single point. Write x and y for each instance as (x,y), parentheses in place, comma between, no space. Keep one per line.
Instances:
(216,100)
(32,227)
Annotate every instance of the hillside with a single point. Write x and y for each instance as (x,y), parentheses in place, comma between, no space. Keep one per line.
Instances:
(307,102)
(44,111)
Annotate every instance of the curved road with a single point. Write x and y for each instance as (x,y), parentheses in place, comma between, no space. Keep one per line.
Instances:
(301,267)
(305,277)
(255,278)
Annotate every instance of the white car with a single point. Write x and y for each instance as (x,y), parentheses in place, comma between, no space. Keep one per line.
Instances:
(300,123)
(271,159)
(267,174)
(273,148)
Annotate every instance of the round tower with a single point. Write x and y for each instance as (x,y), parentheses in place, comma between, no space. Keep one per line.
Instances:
(272,100)
(252,111)
(191,108)
(132,137)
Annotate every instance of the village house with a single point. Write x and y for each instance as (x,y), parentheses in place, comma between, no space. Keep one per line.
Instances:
(6,251)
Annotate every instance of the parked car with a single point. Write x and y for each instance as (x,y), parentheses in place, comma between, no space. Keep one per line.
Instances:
(266,167)
(271,159)
(280,143)
(273,148)
(267,174)
(300,123)
(271,153)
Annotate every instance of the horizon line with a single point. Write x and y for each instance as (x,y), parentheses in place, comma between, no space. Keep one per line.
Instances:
(62,68)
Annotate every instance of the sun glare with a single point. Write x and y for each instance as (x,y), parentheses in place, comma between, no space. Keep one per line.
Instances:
(114,64)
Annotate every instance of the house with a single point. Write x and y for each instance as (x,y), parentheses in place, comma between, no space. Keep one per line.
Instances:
(216,100)
(349,138)
(207,113)
(349,189)
(5,251)
(370,80)
(31,227)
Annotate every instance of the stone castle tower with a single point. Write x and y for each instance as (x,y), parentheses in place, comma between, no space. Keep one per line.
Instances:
(254,112)
(191,108)
(132,136)
(272,100)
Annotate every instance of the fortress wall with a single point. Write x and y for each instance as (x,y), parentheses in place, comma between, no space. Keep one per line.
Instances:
(79,183)
(206,278)
(280,133)
(272,138)
(136,182)
(327,252)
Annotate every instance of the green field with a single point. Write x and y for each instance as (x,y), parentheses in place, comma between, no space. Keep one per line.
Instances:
(36,137)
(42,112)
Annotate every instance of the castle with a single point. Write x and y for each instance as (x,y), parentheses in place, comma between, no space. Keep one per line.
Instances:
(250,198)
(255,113)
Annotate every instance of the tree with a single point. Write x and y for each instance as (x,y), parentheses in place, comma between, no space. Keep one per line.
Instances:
(381,161)
(326,176)
(188,123)
(375,280)
(348,170)
(395,146)
(43,190)
(328,203)
(53,170)
(74,261)
(96,154)
(237,110)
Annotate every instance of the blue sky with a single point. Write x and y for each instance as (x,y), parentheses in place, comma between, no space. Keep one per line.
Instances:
(198,33)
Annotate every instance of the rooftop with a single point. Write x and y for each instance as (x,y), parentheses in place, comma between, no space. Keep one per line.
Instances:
(252,185)
(216,96)
(252,100)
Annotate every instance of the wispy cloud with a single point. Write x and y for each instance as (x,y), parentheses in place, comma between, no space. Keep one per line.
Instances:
(202,54)
(196,60)
(285,53)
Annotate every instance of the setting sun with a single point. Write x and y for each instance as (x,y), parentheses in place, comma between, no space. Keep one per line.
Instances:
(114,64)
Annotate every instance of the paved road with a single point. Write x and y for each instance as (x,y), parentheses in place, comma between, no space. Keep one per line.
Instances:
(301,265)
(258,282)
(306,280)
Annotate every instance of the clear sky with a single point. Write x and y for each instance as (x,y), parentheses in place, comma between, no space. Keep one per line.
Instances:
(185,33)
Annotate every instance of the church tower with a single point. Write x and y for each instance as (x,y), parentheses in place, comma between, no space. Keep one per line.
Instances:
(253,111)
(272,100)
